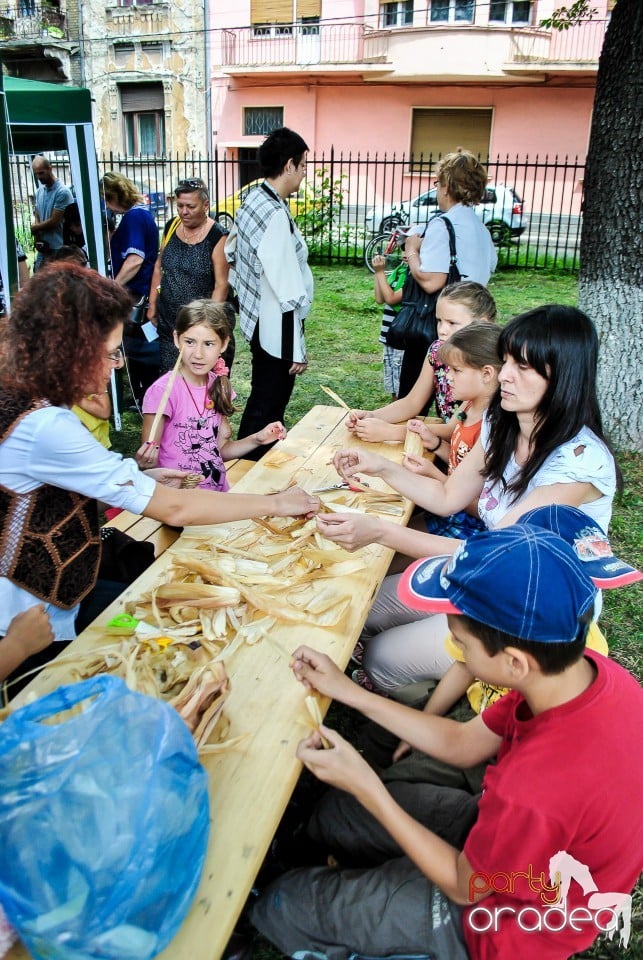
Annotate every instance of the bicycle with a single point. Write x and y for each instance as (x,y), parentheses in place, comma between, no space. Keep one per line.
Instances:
(397,217)
(386,245)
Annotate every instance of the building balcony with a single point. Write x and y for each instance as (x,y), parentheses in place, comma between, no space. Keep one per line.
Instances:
(29,22)
(456,52)
(570,50)
(337,47)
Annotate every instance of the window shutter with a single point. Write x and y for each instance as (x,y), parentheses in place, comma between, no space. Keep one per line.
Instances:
(271,11)
(438,132)
(308,8)
(136,97)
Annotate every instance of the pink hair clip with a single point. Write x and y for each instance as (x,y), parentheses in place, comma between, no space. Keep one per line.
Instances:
(220,369)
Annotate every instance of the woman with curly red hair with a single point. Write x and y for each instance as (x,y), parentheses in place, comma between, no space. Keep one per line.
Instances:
(61,342)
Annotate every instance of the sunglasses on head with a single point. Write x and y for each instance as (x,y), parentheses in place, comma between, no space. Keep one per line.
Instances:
(193,184)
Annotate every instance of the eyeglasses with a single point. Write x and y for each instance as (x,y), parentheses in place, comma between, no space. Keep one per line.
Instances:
(194,184)
(116,356)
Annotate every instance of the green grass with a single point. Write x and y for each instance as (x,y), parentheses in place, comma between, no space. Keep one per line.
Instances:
(529,258)
(344,353)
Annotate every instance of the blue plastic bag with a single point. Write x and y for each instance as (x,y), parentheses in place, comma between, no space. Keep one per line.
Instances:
(104,823)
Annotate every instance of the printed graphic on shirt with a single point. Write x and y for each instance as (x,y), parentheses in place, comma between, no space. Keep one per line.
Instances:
(197,441)
(487,499)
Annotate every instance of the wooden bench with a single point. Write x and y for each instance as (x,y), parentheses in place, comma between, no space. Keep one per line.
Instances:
(236,469)
(158,533)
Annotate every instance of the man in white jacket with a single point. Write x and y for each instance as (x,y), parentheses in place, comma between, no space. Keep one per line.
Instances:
(270,272)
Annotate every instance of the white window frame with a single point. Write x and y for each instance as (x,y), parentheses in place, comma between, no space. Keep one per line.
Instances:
(402,9)
(272,30)
(509,12)
(451,18)
(132,132)
(308,26)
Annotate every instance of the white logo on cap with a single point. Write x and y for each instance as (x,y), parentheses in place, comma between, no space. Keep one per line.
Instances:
(460,554)
(427,570)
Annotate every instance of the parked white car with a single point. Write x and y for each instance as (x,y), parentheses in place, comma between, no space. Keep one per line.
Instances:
(501,211)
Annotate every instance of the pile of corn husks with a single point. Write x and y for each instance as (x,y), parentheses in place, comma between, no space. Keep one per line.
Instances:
(219,591)
(217,596)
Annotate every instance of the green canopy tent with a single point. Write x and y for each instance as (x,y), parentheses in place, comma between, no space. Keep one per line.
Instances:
(39,117)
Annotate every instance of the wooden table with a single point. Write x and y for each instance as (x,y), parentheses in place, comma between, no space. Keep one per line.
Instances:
(250,785)
(159,534)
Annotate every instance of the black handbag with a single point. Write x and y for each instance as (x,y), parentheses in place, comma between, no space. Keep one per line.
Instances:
(139,311)
(136,319)
(122,557)
(415,321)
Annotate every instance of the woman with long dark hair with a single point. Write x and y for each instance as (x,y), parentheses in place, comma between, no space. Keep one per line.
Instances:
(542,442)
(557,345)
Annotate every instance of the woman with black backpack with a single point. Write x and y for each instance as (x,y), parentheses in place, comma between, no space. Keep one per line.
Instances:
(460,183)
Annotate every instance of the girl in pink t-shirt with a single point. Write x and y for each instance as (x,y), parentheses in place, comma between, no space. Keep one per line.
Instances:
(195,435)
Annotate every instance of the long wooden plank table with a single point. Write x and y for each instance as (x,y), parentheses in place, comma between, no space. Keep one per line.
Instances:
(250,785)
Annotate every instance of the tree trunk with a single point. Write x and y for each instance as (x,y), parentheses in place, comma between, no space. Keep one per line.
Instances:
(611,274)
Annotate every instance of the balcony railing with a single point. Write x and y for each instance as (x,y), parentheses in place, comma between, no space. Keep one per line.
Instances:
(582,43)
(300,44)
(28,20)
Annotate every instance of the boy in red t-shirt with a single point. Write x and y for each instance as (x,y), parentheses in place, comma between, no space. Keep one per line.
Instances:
(558,840)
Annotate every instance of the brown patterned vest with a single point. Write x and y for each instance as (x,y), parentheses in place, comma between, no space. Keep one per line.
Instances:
(49,538)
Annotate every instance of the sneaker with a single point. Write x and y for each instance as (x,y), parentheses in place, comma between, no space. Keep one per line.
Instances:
(361,677)
(358,653)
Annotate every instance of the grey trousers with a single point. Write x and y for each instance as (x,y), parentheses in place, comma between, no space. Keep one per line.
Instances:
(377,746)
(379,904)
(388,911)
(340,824)
(402,646)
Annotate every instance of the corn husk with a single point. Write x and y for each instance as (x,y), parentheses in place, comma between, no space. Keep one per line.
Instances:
(364,500)
(335,397)
(192,480)
(277,458)
(212,749)
(201,700)
(217,596)
(413,444)
(158,416)
(201,595)
(312,705)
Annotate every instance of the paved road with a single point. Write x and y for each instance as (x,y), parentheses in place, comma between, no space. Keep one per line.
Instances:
(551,233)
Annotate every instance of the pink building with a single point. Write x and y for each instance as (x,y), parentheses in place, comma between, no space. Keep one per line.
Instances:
(404,76)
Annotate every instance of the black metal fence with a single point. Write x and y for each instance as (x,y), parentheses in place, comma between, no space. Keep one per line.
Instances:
(532,207)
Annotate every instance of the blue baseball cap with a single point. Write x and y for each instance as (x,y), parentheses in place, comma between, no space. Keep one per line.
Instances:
(589,543)
(522,580)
